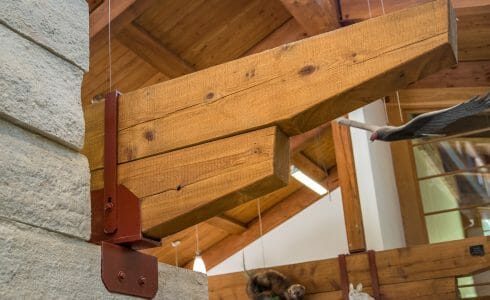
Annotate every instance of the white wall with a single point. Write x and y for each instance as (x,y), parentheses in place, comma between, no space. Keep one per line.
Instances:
(318,232)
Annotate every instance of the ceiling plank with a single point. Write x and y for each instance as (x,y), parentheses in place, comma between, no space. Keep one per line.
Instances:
(289,32)
(299,142)
(315,16)
(281,212)
(298,86)
(153,52)
(185,187)
(464,74)
(227,224)
(123,12)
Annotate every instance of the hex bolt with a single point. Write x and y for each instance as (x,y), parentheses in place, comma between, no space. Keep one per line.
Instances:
(121,275)
(142,280)
(108,207)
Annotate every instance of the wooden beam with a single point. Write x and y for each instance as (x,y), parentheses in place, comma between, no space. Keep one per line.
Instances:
(99,18)
(272,218)
(185,187)
(299,142)
(357,10)
(403,268)
(153,52)
(227,224)
(433,98)
(351,201)
(473,21)
(308,167)
(123,12)
(432,289)
(289,32)
(315,16)
(464,74)
(409,195)
(298,87)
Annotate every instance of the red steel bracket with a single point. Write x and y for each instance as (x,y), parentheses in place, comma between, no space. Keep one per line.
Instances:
(116,224)
(373,269)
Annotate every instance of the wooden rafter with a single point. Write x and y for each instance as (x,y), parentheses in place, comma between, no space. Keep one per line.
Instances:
(315,16)
(280,87)
(152,51)
(227,224)
(287,208)
(123,12)
(289,32)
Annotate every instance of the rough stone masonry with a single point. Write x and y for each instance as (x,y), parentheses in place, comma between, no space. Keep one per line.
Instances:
(44,181)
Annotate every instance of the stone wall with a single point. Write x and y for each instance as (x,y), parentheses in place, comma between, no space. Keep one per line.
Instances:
(44,181)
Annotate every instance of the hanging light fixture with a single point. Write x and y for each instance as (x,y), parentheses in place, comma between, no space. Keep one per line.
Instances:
(307,181)
(199,265)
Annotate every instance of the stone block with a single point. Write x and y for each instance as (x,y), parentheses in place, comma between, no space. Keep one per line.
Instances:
(43,183)
(39,90)
(60,26)
(37,264)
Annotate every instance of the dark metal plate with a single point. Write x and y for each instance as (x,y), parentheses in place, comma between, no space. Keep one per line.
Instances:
(129,272)
(128,220)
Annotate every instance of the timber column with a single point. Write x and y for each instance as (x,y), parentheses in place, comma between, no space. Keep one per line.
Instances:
(44,180)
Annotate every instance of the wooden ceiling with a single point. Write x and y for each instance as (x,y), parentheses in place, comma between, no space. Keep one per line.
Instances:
(153,41)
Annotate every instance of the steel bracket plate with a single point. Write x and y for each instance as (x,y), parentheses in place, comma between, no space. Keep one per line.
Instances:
(116,224)
(129,272)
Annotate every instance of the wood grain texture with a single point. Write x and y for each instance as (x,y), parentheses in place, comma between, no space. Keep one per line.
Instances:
(153,52)
(351,201)
(298,87)
(123,12)
(206,33)
(433,98)
(315,16)
(185,187)
(288,32)
(473,21)
(464,74)
(227,224)
(427,266)
(309,167)
(432,289)
(290,206)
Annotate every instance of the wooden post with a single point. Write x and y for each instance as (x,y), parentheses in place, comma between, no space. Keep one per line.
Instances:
(348,186)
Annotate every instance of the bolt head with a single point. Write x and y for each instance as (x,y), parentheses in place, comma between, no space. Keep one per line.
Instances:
(121,275)
(142,280)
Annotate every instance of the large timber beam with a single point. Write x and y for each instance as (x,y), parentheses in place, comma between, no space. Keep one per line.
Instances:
(275,216)
(315,16)
(298,86)
(398,270)
(185,187)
